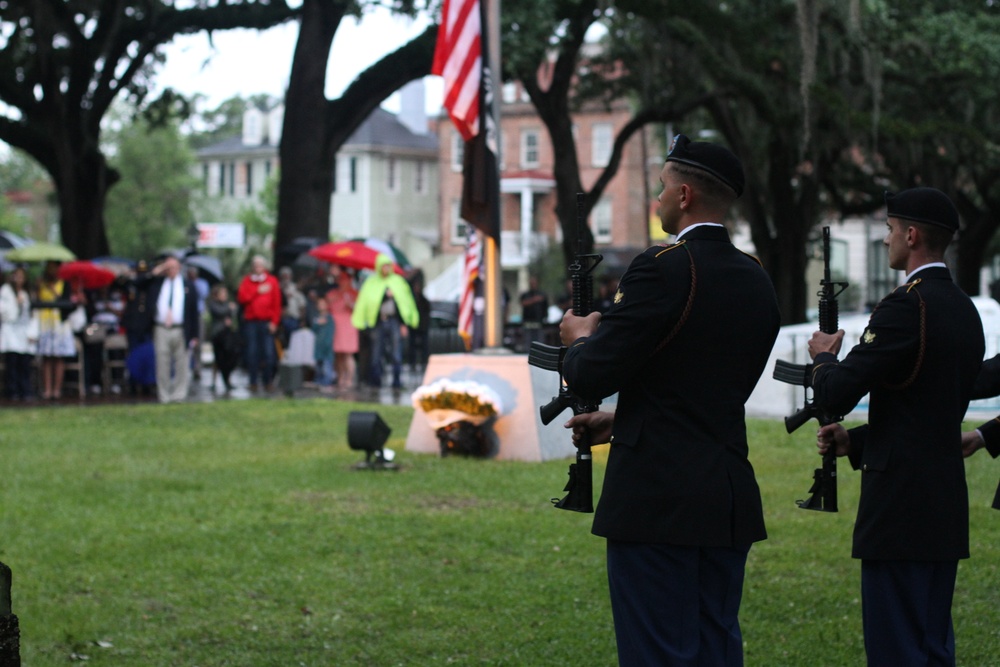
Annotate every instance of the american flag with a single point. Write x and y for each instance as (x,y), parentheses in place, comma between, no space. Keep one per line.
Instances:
(458,58)
(461,57)
(470,271)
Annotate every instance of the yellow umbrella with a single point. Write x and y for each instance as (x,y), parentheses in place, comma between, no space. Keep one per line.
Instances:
(41,252)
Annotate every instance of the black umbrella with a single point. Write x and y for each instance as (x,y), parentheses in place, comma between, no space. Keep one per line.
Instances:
(209,268)
(290,252)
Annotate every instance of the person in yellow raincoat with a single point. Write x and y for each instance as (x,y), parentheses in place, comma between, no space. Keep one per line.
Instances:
(385,307)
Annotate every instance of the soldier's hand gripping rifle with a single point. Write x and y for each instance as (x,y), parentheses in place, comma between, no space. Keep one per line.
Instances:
(580,488)
(823,493)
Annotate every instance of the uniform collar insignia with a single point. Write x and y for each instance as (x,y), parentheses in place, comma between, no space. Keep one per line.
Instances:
(619,296)
(869,336)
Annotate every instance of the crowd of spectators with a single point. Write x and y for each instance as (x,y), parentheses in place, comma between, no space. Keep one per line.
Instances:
(166,314)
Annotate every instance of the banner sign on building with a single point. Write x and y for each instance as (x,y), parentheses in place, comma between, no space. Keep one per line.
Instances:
(221,235)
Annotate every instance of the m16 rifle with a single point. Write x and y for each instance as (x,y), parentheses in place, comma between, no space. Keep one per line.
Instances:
(823,494)
(580,488)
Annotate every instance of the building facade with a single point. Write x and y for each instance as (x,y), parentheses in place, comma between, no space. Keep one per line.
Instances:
(527,185)
(385,184)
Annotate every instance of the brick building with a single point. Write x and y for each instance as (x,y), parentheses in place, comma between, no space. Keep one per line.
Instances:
(527,186)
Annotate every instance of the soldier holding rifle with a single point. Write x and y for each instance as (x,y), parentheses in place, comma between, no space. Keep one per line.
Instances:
(684,343)
(918,358)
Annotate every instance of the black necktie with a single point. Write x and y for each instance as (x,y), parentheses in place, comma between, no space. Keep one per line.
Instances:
(170,304)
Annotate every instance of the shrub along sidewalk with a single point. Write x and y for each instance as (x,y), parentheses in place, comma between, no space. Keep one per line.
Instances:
(237,533)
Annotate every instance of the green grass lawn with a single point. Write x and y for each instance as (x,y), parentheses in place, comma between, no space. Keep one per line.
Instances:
(237,533)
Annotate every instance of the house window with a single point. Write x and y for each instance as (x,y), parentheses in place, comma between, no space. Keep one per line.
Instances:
(252,134)
(600,218)
(457,151)
(222,179)
(509,92)
(459,227)
(882,279)
(249,178)
(344,174)
(336,170)
(232,179)
(600,144)
(352,184)
(420,178)
(391,175)
(529,149)
(206,177)
(267,169)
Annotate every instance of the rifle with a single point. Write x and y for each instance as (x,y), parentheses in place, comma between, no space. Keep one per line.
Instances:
(580,487)
(824,489)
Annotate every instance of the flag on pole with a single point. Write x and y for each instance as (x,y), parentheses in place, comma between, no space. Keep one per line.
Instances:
(460,57)
(470,271)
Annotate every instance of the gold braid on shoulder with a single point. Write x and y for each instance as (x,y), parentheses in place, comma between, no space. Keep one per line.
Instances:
(687,306)
(922,349)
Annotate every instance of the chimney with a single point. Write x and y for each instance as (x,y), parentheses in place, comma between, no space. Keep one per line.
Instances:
(253,130)
(275,121)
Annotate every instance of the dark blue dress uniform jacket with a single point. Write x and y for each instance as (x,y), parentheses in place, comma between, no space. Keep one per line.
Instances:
(918,358)
(678,471)
(988,386)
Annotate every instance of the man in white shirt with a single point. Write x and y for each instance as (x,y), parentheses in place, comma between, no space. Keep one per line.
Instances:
(175,329)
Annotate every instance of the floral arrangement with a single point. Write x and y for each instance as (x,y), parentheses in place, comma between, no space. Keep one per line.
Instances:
(470,398)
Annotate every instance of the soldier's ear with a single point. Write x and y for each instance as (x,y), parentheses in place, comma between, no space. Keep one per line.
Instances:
(685,197)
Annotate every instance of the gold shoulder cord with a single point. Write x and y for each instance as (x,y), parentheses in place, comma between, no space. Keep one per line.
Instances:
(911,287)
(687,306)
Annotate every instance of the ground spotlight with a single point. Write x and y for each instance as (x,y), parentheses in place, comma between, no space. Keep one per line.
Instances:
(367,432)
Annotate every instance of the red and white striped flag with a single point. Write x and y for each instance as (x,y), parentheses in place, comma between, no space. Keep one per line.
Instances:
(458,58)
(470,271)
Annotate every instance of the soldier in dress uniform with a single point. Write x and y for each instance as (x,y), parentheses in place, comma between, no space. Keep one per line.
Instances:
(986,435)
(918,358)
(684,342)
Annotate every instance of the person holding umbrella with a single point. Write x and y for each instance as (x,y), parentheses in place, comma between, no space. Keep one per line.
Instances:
(340,297)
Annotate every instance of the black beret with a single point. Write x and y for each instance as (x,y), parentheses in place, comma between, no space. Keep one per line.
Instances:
(713,158)
(927,205)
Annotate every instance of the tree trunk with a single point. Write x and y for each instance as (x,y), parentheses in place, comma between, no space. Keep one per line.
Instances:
(788,262)
(83,179)
(315,128)
(971,250)
(307,155)
(566,170)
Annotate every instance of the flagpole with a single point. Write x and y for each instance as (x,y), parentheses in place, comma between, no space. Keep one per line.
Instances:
(493,281)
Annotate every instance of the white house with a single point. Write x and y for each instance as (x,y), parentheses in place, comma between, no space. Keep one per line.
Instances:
(386,176)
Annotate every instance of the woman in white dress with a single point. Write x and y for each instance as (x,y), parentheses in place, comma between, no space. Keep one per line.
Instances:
(18,335)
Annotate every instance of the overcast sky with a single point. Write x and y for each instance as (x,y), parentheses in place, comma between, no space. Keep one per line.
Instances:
(247,62)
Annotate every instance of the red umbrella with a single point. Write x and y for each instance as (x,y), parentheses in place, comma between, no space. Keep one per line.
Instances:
(352,254)
(89,274)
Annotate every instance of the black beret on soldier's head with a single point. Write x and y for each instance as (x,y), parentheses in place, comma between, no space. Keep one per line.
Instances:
(713,158)
(927,205)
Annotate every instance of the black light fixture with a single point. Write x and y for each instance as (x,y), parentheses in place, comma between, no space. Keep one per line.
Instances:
(367,432)
(193,236)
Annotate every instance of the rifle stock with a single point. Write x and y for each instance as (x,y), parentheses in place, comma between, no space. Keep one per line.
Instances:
(823,492)
(580,487)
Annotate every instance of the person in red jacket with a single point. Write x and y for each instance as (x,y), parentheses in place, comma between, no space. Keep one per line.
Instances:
(260,297)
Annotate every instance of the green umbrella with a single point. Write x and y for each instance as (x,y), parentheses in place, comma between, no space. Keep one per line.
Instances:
(41,252)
